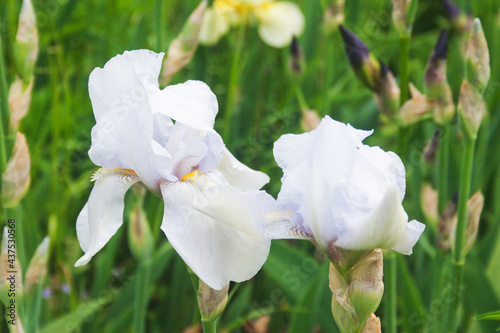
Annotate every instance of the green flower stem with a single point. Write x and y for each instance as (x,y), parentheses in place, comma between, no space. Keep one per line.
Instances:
(141,299)
(391,259)
(459,254)
(209,326)
(301,99)
(158,23)
(391,292)
(404,67)
(443,168)
(233,83)
(4,112)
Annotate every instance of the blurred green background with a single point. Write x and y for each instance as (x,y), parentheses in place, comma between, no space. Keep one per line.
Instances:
(77,36)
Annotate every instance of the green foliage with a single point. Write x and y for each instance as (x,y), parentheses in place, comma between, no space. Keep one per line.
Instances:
(292,288)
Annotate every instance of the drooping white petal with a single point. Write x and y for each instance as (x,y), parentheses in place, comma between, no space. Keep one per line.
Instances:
(103,214)
(239,175)
(108,85)
(215,228)
(191,103)
(279,22)
(83,228)
(413,231)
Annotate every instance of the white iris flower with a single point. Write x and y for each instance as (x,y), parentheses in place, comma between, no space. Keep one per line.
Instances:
(213,213)
(277,21)
(341,192)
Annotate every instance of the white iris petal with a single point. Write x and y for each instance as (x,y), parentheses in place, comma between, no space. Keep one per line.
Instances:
(342,192)
(166,137)
(101,217)
(215,228)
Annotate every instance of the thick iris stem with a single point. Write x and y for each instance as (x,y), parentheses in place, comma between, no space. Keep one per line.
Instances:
(141,299)
(459,254)
(5,114)
(391,292)
(209,326)
(158,25)
(404,67)
(301,99)
(233,83)
(443,160)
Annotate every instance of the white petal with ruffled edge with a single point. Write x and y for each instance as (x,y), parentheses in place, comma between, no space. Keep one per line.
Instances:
(239,175)
(191,103)
(108,85)
(103,214)
(279,22)
(315,165)
(341,191)
(385,227)
(413,231)
(123,138)
(215,228)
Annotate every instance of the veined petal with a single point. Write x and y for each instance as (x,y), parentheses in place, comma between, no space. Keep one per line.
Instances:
(215,228)
(279,22)
(108,85)
(216,23)
(279,226)
(239,175)
(191,103)
(103,214)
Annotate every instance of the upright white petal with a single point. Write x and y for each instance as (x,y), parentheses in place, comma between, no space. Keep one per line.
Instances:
(279,22)
(215,228)
(108,85)
(191,103)
(315,167)
(123,138)
(343,192)
(103,214)
(239,175)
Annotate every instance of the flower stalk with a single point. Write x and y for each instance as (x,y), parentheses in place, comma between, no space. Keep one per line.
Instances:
(141,297)
(391,293)
(471,109)
(4,110)
(459,253)
(231,100)
(141,245)
(404,66)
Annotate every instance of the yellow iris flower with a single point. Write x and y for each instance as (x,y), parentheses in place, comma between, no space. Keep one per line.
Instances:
(277,21)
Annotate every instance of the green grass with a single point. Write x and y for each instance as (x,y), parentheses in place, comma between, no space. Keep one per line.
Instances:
(292,287)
